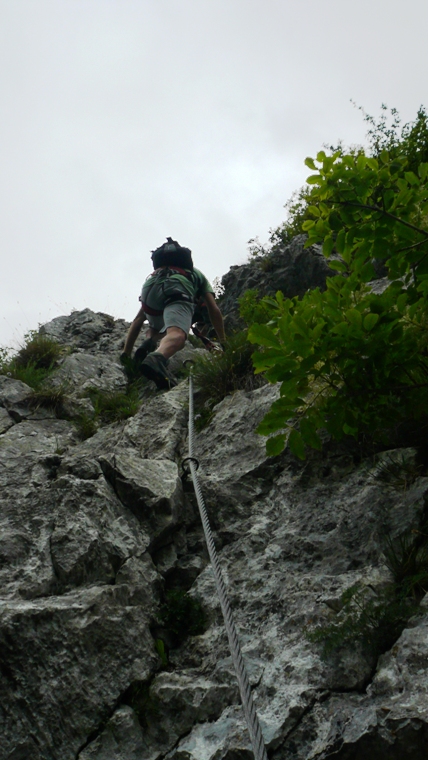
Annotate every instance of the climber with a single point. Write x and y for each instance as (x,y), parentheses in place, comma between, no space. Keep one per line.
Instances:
(168,300)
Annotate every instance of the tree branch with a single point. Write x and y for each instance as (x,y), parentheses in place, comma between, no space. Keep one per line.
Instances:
(385,213)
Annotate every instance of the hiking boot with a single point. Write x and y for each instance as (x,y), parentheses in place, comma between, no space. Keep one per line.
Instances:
(154,367)
(146,348)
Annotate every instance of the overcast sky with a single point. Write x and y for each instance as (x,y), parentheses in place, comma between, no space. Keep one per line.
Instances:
(124,121)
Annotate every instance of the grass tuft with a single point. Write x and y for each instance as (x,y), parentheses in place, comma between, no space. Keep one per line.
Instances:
(34,362)
(39,351)
(112,406)
(48,397)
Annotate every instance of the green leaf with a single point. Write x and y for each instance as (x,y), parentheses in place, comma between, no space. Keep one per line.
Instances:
(341,329)
(314,179)
(295,442)
(349,430)
(422,267)
(369,321)
(339,266)
(402,303)
(341,241)
(373,164)
(307,224)
(328,246)
(318,329)
(263,335)
(314,210)
(275,445)
(309,433)
(423,171)
(354,317)
(310,163)
(412,179)
(367,272)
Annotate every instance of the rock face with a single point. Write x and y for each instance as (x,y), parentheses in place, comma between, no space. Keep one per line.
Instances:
(293,269)
(94,533)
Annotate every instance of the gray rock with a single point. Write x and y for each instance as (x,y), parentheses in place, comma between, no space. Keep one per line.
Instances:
(293,269)
(84,371)
(151,489)
(88,330)
(94,533)
(15,397)
(159,429)
(122,739)
(57,659)
(6,420)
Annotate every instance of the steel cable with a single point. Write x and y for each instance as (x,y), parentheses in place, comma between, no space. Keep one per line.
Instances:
(251,718)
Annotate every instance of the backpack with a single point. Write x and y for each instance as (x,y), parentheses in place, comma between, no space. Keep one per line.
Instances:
(172,258)
(172,254)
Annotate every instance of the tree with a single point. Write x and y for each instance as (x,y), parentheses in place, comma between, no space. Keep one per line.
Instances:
(350,360)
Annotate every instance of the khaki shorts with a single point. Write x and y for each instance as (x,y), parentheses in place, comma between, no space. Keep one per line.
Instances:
(177,314)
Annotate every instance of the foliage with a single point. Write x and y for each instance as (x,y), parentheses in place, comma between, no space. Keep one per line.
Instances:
(252,308)
(396,470)
(34,362)
(160,648)
(384,134)
(181,615)
(407,559)
(109,406)
(220,373)
(350,360)
(86,425)
(376,618)
(411,140)
(48,396)
(112,406)
(38,350)
(373,619)
(145,706)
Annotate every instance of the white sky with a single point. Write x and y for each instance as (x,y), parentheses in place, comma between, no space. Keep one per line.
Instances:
(124,121)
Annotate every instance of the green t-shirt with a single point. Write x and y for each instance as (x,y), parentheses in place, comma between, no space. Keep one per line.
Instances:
(156,285)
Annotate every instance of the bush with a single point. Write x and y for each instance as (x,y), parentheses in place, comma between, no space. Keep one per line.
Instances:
(85,425)
(349,360)
(109,406)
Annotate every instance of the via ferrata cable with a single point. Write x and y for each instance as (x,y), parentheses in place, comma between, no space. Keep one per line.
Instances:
(251,718)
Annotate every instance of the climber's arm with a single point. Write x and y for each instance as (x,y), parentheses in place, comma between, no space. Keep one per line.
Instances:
(134,332)
(216,316)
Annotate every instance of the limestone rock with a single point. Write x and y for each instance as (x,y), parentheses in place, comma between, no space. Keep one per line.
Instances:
(6,420)
(121,739)
(14,397)
(293,269)
(83,371)
(150,489)
(58,657)
(88,330)
(93,534)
